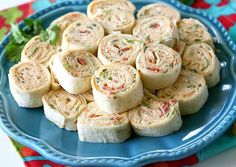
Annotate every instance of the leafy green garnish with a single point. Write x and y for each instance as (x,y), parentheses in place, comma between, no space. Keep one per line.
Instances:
(20,36)
(51,35)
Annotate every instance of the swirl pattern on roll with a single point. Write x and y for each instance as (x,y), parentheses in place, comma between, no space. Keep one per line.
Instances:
(201,59)
(74,70)
(96,126)
(38,51)
(190,90)
(84,34)
(117,88)
(159,9)
(158,29)
(159,66)
(155,117)
(28,83)
(193,31)
(114,15)
(63,108)
(119,48)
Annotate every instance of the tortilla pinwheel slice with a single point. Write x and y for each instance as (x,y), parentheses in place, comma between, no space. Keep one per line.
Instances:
(63,108)
(190,90)
(88,95)
(117,88)
(158,29)
(98,127)
(84,35)
(159,9)
(28,83)
(74,69)
(155,117)
(159,66)
(201,59)
(193,31)
(66,20)
(113,15)
(38,51)
(119,48)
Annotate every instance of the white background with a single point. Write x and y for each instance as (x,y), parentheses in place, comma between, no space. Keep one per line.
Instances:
(10,158)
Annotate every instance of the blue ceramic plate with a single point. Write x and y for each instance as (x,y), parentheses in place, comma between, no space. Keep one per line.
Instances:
(31,128)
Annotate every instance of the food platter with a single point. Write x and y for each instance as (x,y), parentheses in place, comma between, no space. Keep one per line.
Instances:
(31,128)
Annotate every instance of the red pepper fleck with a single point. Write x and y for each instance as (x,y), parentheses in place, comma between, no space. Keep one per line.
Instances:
(154,69)
(94,115)
(81,61)
(154,25)
(120,87)
(125,49)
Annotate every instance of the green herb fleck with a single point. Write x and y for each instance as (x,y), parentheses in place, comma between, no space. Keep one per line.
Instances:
(51,35)
(66,66)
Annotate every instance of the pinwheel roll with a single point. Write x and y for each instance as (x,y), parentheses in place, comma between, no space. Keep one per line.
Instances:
(114,15)
(190,90)
(104,6)
(84,34)
(201,58)
(159,66)
(88,95)
(38,51)
(28,83)
(117,88)
(193,31)
(158,29)
(98,127)
(74,70)
(119,48)
(63,108)
(159,9)
(155,117)
(64,21)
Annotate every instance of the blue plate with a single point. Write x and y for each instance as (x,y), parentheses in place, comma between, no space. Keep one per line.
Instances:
(31,128)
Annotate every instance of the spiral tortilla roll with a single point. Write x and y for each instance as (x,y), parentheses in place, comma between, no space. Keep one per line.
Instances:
(201,58)
(63,108)
(117,88)
(98,127)
(159,66)
(119,48)
(88,95)
(113,15)
(38,51)
(84,34)
(159,9)
(64,21)
(157,29)
(28,83)
(74,70)
(193,31)
(190,90)
(155,117)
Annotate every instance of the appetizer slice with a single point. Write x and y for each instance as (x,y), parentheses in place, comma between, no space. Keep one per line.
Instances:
(64,21)
(114,15)
(84,34)
(158,29)
(63,108)
(155,117)
(99,6)
(159,66)
(88,95)
(38,51)
(159,9)
(190,90)
(28,83)
(98,127)
(74,69)
(201,58)
(193,31)
(117,88)
(119,48)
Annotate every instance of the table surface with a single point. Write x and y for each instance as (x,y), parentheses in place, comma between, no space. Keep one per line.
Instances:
(10,158)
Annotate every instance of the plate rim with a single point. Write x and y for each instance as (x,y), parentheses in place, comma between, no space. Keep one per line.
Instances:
(141,159)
